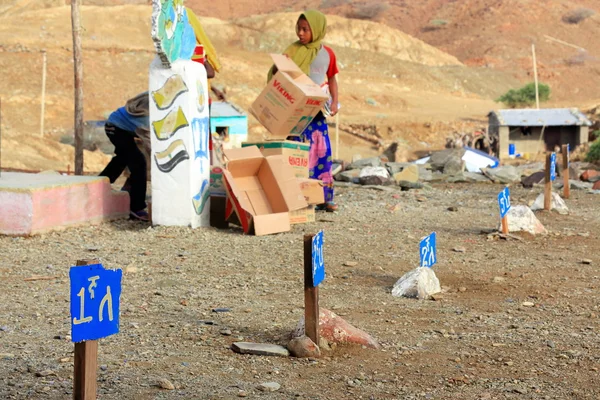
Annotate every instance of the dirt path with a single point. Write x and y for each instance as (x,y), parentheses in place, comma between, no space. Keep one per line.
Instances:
(478,342)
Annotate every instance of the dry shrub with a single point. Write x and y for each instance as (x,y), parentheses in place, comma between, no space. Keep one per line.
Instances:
(577,15)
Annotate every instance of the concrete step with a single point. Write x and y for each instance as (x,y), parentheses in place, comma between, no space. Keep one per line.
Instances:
(37,203)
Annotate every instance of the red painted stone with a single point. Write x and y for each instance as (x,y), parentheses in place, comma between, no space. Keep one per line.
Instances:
(335,329)
(596,186)
(589,174)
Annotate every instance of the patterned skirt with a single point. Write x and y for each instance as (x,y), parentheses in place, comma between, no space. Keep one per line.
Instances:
(320,157)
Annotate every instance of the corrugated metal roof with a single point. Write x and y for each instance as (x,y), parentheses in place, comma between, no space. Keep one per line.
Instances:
(225,109)
(543,117)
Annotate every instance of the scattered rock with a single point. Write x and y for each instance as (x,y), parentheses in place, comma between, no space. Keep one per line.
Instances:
(522,219)
(348,176)
(365,162)
(454,166)
(409,174)
(505,174)
(421,199)
(439,159)
(499,279)
(375,180)
(269,387)
(374,171)
(395,167)
(453,209)
(225,332)
(596,186)
(303,347)
(460,250)
(336,330)
(260,349)
(590,175)
(557,204)
(462,289)
(44,373)
(350,264)
(533,179)
(425,174)
(242,393)
(406,185)
(164,383)
(221,310)
(528,304)
(419,283)
(586,261)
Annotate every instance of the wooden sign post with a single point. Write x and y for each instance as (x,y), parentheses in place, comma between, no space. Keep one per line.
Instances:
(565,161)
(504,205)
(95,298)
(549,178)
(85,363)
(314,273)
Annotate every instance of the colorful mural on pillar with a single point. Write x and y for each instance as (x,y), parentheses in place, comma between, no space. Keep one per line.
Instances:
(179,122)
(172,33)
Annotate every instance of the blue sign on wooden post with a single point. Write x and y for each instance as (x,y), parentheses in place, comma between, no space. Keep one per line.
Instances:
(318,263)
(428,251)
(504,202)
(552,167)
(95,298)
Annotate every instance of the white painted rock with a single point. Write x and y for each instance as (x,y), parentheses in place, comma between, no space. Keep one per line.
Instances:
(419,283)
(522,219)
(374,171)
(557,204)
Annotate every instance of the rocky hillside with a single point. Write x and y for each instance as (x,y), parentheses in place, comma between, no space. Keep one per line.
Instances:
(402,89)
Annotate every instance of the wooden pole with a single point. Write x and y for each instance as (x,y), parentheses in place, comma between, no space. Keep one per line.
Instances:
(0,137)
(85,363)
(548,184)
(505,225)
(337,136)
(43,101)
(311,294)
(78,72)
(535,75)
(565,160)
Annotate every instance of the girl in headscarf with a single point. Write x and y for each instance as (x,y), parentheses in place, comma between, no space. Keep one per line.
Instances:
(319,63)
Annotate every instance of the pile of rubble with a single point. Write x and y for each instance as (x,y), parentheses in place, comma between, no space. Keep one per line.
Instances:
(449,166)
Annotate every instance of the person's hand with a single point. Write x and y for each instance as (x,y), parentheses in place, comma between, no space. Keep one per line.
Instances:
(334,109)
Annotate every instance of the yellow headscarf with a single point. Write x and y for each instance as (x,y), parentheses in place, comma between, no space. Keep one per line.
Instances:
(304,54)
(202,38)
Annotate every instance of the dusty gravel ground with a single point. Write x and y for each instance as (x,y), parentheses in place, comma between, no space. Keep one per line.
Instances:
(477,342)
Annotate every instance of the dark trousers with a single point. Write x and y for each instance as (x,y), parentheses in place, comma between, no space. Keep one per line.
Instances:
(127,154)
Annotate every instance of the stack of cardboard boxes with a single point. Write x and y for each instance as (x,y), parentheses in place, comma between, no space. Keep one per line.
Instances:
(266,183)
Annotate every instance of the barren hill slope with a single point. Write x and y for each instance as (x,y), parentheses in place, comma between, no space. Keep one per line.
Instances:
(493,33)
(378,85)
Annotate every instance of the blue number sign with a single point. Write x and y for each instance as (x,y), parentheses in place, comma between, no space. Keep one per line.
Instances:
(95,294)
(428,251)
(504,202)
(318,263)
(552,167)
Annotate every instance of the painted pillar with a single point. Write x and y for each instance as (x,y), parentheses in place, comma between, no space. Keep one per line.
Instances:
(179,121)
(179,135)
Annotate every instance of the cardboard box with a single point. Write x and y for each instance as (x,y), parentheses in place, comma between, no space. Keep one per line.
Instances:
(303,215)
(312,189)
(261,191)
(295,153)
(290,101)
